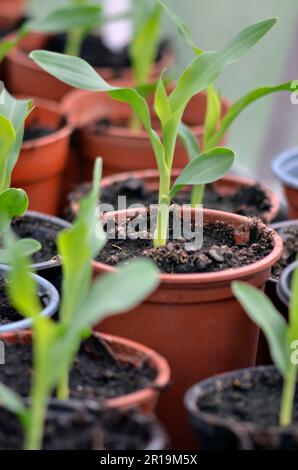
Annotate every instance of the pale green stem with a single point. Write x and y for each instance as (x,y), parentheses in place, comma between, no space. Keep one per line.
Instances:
(162,222)
(74,42)
(197,195)
(63,387)
(288,394)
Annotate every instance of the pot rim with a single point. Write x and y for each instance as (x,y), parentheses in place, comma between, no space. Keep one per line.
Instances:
(218,276)
(283,287)
(43,218)
(58,134)
(278,167)
(133,399)
(48,311)
(198,390)
(276,227)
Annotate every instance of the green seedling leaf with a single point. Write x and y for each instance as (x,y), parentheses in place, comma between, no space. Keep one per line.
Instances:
(67,19)
(161,103)
(262,312)
(189,141)
(13,403)
(145,44)
(7,142)
(293,310)
(240,106)
(181,26)
(21,286)
(118,292)
(213,113)
(27,245)
(14,202)
(207,67)
(205,168)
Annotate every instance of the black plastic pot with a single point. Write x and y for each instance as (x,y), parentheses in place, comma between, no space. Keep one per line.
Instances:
(50,269)
(83,425)
(214,432)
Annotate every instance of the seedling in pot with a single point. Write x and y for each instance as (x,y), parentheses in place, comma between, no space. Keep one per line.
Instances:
(282,337)
(215,125)
(199,75)
(83,305)
(13,202)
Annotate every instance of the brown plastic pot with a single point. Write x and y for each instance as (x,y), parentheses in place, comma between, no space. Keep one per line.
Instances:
(23,76)
(11,12)
(195,322)
(122,149)
(126,351)
(225,186)
(43,161)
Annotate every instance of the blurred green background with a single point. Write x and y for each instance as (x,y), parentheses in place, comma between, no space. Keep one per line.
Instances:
(269,126)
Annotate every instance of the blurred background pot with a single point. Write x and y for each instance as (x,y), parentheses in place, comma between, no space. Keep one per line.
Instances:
(285,168)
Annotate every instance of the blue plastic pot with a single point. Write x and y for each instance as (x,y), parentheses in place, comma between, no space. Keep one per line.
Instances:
(285,168)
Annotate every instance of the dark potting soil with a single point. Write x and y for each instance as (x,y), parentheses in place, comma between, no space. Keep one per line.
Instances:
(36,131)
(290,250)
(248,201)
(98,54)
(7,313)
(81,430)
(222,248)
(45,232)
(250,399)
(96,373)
(5,31)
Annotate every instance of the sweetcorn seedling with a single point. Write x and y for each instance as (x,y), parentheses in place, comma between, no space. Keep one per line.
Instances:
(205,168)
(215,125)
(282,337)
(55,344)
(13,201)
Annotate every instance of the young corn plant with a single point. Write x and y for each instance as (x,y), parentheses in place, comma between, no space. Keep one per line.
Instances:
(215,125)
(205,168)
(55,344)
(13,201)
(282,337)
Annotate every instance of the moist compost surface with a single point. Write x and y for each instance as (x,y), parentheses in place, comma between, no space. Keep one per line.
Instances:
(250,399)
(81,430)
(45,232)
(290,250)
(96,373)
(98,54)
(249,201)
(222,248)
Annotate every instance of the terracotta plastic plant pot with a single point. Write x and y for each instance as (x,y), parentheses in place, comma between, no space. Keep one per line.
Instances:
(83,425)
(50,296)
(41,167)
(225,186)
(11,13)
(49,228)
(23,76)
(216,433)
(126,351)
(195,322)
(122,149)
(272,291)
(285,168)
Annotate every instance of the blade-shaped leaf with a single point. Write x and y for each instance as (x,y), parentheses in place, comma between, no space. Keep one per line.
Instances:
(213,113)
(7,142)
(118,292)
(28,247)
(207,67)
(13,403)
(144,47)
(242,104)
(205,168)
(189,141)
(293,310)
(67,19)
(14,202)
(262,312)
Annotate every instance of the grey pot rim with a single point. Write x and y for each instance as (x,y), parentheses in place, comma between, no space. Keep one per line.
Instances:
(278,226)
(55,220)
(48,311)
(242,429)
(279,171)
(284,285)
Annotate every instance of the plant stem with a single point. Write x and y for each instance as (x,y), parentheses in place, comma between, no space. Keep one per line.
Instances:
(135,124)
(162,222)
(74,42)
(63,387)
(288,393)
(197,195)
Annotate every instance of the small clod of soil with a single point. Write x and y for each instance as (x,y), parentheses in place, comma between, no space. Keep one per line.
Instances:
(289,236)
(222,247)
(96,373)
